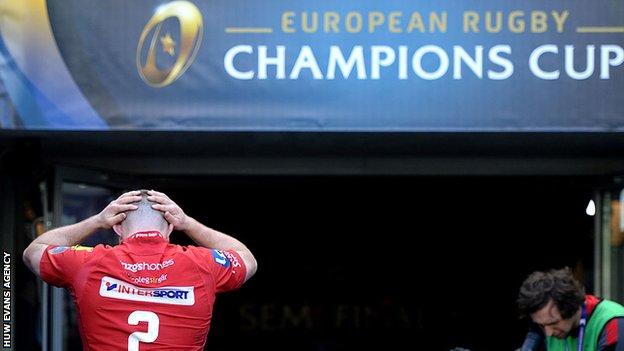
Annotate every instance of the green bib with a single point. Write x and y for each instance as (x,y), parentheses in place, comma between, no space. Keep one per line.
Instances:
(604,312)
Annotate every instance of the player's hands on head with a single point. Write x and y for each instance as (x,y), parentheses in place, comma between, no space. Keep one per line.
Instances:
(172,212)
(115,212)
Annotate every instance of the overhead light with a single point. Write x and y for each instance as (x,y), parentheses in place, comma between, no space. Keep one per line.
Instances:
(591,208)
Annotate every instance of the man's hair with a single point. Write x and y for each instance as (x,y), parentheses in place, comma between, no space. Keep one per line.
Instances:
(557,284)
(144,217)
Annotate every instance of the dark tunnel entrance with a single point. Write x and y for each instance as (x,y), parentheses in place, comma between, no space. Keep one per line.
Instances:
(376,262)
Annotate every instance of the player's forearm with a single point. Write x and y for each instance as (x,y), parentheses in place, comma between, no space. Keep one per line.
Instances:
(212,239)
(70,234)
(63,236)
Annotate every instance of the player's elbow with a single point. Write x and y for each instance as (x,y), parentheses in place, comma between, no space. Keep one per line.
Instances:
(27,257)
(251,265)
(30,258)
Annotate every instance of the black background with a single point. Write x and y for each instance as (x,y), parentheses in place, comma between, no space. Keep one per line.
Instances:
(376,262)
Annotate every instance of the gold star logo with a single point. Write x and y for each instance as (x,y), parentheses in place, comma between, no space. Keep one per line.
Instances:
(168,44)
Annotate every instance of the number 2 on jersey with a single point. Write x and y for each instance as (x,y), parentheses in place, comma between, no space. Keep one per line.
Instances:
(152,328)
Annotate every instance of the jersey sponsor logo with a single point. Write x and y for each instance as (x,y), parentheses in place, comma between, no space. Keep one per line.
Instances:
(82,248)
(146,234)
(233,259)
(140,266)
(58,250)
(220,258)
(172,295)
(149,280)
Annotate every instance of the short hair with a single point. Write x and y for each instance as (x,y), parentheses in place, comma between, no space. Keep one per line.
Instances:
(559,285)
(144,217)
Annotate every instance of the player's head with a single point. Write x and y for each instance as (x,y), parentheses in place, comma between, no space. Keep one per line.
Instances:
(552,300)
(143,219)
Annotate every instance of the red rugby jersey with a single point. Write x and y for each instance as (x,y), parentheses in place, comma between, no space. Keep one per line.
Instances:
(144,294)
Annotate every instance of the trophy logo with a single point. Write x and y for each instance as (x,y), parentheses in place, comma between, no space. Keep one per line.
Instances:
(190,36)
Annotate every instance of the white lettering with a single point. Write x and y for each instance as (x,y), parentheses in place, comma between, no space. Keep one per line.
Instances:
(307,60)
(346,66)
(172,295)
(277,61)
(377,61)
(233,260)
(606,60)
(569,63)
(534,62)
(428,62)
(417,62)
(402,62)
(6,259)
(508,67)
(228,62)
(139,266)
(460,55)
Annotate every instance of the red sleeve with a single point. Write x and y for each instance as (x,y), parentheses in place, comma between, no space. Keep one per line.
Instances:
(229,270)
(611,335)
(60,264)
(611,332)
(227,267)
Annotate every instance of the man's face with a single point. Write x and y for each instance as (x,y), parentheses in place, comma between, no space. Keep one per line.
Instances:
(549,318)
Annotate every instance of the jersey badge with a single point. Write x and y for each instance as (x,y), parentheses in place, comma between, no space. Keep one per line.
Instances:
(58,250)
(220,258)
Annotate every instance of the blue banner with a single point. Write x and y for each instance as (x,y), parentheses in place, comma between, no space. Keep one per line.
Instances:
(327,65)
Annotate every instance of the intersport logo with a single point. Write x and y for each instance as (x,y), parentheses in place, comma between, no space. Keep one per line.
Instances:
(172,295)
(140,266)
